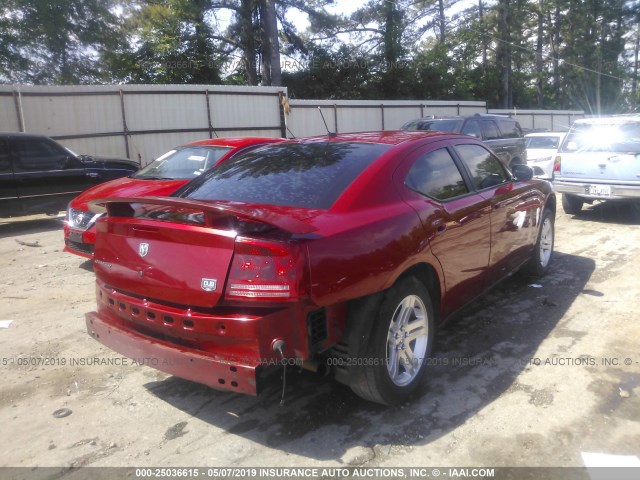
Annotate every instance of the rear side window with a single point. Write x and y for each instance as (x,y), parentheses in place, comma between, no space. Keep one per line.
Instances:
(472,127)
(486,170)
(510,129)
(436,175)
(490,130)
(307,175)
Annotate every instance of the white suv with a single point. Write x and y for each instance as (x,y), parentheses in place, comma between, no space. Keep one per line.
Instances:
(599,159)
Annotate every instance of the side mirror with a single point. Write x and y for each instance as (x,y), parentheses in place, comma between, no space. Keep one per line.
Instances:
(522,172)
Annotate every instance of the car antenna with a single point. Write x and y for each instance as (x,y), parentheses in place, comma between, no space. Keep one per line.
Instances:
(329,132)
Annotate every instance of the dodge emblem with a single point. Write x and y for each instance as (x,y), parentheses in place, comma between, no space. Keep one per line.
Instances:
(209,284)
(143,249)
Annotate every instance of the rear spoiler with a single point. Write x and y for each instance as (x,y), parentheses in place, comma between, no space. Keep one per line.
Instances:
(122,207)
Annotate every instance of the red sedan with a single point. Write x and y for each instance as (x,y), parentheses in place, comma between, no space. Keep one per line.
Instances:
(344,251)
(161,177)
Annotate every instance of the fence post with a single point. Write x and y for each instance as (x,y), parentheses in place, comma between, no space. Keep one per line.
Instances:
(206,96)
(382,111)
(283,123)
(125,129)
(16,102)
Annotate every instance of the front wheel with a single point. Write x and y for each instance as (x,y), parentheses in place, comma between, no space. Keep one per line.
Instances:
(395,357)
(543,250)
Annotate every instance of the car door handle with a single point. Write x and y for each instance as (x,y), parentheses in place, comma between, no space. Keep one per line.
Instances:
(91,174)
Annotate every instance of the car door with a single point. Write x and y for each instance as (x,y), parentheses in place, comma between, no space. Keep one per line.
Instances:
(9,204)
(455,219)
(47,176)
(515,208)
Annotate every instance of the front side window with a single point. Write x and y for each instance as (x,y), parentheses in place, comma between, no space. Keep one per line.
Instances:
(307,175)
(183,163)
(486,170)
(36,154)
(436,175)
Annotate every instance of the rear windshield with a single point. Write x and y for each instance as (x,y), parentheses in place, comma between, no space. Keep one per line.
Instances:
(543,142)
(434,125)
(619,138)
(307,175)
(183,163)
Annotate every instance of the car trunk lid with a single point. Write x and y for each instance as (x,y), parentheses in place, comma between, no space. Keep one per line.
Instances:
(176,250)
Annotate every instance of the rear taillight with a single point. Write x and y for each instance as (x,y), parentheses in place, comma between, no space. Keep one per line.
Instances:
(265,271)
(557,164)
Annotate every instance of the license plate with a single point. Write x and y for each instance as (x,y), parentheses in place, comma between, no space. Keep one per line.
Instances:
(599,190)
(75,236)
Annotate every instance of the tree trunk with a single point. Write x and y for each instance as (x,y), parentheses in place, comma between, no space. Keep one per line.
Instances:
(484,37)
(539,63)
(247,41)
(441,19)
(270,26)
(505,58)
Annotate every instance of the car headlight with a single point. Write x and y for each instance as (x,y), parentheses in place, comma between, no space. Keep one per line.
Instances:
(81,219)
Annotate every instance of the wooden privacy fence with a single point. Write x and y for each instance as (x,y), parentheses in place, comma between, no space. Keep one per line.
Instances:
(143,121)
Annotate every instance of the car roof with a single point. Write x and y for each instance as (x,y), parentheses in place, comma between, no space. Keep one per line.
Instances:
(385,137)
(464,117)
(236,142)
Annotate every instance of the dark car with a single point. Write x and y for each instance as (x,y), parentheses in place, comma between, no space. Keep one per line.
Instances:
(342,251)
(38,175)
(503,134)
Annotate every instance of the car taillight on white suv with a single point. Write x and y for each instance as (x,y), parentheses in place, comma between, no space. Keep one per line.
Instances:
(557,164)
(266,271)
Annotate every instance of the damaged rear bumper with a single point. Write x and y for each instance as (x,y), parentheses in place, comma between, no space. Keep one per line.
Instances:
(190,364)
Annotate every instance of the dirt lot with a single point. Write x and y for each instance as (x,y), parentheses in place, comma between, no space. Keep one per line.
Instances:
(527,377)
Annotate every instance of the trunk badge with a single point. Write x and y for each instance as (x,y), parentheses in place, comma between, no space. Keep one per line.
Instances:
(209,284)
(143,249)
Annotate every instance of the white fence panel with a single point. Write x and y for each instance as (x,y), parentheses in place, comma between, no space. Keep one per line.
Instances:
(8,114)
(149,111)
(552,120)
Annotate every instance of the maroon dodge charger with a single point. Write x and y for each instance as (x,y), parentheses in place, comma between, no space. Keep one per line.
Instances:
(344,251)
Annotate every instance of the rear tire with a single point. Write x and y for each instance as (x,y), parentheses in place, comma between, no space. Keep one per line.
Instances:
(395,356)
(571,204)
(543,250)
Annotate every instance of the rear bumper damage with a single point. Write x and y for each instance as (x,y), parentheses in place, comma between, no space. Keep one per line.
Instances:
(184,363)
(225,350)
